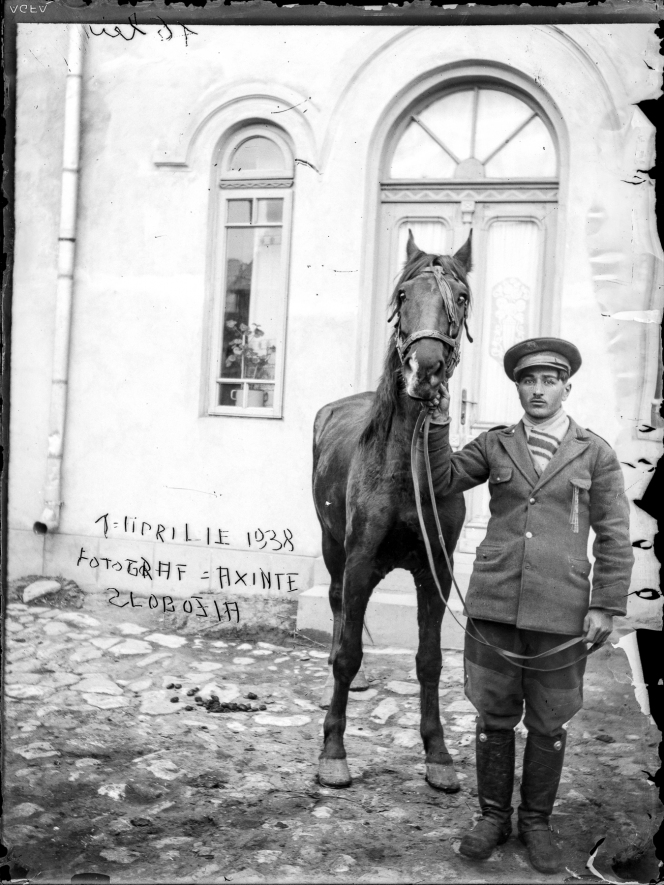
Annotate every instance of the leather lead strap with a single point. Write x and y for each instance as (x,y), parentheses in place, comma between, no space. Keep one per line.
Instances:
(506,655)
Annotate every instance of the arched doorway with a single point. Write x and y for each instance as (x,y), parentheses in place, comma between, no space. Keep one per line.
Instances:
(481,156)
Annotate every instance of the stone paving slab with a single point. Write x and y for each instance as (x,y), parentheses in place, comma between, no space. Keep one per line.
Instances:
(113,767)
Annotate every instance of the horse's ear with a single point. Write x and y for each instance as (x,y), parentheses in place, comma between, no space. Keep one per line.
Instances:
(411,248)
(464,255)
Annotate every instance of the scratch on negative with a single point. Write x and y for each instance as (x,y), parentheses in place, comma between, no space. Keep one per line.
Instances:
(291,106)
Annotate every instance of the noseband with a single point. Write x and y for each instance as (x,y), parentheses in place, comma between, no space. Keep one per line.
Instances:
(447,295)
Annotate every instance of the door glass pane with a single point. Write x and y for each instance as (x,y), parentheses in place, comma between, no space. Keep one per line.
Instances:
(430,235)
(510,312)
(257,153)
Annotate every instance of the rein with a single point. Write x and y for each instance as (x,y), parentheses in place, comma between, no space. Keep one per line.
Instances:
(510,657)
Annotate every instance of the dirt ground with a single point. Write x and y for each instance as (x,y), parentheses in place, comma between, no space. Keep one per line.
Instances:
(105,773)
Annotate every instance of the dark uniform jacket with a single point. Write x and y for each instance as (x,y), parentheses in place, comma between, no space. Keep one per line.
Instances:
(532,569)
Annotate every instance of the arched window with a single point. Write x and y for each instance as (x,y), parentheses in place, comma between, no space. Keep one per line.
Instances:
(255,184)
(475,134)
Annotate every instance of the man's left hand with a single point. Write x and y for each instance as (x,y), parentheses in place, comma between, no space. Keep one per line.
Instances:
(597,628)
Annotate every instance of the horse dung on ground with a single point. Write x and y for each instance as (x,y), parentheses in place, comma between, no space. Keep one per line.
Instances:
(364,498)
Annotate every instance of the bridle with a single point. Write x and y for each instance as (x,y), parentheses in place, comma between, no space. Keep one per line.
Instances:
(454,342)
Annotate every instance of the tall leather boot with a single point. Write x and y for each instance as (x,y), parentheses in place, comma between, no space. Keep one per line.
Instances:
(542,768)
(495,782)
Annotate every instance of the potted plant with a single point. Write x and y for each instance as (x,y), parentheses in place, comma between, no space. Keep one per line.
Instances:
(253,362)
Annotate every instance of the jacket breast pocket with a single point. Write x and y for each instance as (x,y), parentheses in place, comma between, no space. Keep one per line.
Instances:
(500,474)
(580,499)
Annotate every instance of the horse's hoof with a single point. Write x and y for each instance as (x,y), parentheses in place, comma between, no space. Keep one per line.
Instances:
(360,683)
(334,773)
(442,777)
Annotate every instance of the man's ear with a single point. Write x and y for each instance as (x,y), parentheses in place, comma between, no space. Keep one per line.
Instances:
(568,388)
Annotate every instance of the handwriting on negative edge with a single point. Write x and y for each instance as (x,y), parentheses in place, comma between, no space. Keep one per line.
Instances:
(141,568)
(195,604)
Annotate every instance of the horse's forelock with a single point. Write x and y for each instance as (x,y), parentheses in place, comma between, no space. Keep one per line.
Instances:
(417,264)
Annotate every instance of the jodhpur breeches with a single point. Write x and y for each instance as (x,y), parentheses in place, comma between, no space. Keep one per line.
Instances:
(498,690)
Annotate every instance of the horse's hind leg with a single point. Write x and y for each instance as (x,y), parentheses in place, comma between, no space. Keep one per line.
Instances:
(430,609)
(359,580)
(335,561)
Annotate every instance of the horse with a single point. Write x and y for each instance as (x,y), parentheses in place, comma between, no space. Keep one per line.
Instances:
(364,498)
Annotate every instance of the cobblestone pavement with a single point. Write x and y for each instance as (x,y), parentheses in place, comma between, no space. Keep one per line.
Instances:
(110,770)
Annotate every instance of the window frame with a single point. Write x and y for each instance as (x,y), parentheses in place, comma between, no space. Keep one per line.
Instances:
(253,184)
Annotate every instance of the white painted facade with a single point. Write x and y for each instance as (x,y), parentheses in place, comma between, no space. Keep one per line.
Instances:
(157,114)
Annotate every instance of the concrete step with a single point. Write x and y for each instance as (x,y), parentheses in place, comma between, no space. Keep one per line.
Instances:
(391,617)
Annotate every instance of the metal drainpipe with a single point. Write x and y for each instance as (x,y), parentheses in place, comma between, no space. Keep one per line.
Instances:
(50,518)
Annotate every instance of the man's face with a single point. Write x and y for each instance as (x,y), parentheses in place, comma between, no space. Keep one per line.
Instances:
(541,392)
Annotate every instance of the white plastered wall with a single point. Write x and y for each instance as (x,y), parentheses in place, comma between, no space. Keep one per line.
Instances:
(136,438)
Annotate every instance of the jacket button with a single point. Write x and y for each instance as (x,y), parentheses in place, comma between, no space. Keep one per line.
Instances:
(529,534)
(482,737)
(527,565)
(558,745)
(532,500)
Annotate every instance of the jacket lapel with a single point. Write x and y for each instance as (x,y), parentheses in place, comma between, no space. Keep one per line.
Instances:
(516,445)
(575,442)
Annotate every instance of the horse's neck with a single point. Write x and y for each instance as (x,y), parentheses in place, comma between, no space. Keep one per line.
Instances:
(403,424)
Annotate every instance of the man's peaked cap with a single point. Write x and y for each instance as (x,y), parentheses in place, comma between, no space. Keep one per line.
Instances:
(554,353)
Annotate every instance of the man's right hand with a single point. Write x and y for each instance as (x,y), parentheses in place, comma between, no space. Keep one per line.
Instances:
(439,406)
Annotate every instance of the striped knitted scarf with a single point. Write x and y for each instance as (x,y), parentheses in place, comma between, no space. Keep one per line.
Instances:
(544,438)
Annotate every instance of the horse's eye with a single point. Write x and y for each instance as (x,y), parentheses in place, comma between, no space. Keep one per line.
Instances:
(462,299)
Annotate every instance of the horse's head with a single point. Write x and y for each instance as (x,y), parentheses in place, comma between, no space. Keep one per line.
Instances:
(431,302)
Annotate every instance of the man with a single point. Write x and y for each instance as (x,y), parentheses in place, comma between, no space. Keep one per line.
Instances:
(550,481)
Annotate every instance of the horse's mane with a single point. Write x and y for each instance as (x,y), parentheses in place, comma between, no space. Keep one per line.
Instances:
(379,421)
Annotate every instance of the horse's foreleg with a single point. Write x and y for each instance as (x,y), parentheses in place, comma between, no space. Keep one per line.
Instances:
(336,590)
(335,561)
(430,609)
(359,580)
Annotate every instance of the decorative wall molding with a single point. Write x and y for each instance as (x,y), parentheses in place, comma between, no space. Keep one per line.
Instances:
(434,193)
(226,107)
(239,183)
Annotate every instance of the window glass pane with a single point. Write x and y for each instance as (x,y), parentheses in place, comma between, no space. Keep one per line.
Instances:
(513,251)
(498,115)
(257,153)
(253,302)
(260,395)
(530,154)
(230,394)
(270,211)
(239,212)
(418,156)
(451,120)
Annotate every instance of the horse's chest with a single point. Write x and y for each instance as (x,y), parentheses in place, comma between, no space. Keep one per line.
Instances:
(402,544)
